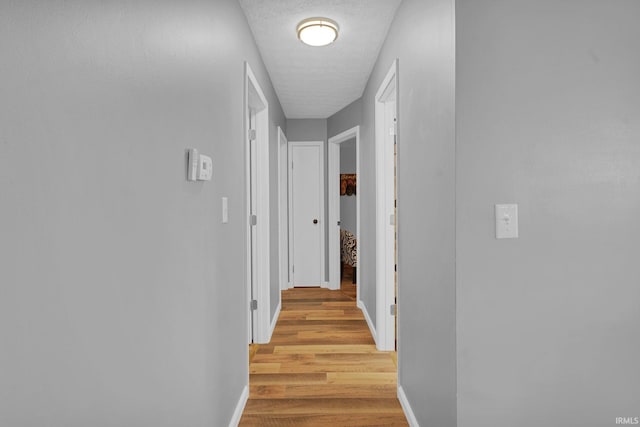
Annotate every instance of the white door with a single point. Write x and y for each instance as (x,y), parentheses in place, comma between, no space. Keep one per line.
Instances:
(253,204)
(306,206)
(257,210)
(385,144)
(333,188)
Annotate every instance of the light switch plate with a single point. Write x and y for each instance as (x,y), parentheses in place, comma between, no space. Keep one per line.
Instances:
(507,221)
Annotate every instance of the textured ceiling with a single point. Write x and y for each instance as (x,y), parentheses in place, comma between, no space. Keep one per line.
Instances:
(316,82)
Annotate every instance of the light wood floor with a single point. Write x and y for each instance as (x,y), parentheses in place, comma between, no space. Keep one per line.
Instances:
(321,367)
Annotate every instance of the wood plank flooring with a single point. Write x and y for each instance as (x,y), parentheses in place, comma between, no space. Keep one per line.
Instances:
(321,367)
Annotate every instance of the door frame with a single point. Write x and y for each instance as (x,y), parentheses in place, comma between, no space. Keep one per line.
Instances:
(385,214)
(333,189)
(283,209)
(321,218)
(255,102)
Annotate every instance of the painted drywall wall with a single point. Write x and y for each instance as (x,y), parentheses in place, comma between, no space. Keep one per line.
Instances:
(276,119)
(422,38)
(313,130)
(306,129)
(548,116)
(345,119)
(348,208)
(122,298)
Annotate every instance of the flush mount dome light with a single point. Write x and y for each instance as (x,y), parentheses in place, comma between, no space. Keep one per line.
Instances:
(317,31)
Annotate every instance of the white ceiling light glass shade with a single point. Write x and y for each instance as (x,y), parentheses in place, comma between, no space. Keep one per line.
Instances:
(317,31)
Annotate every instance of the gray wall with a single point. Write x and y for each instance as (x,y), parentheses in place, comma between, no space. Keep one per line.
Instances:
(313,130)
(345,119)
(350,116)
(307,130)
(122,298)
(422,38)
(548,116)
(348,204)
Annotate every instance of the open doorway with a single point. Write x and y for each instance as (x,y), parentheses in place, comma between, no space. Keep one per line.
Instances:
(386,139)
(344,210)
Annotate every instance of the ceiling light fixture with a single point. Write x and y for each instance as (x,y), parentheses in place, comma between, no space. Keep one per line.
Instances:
(317,31)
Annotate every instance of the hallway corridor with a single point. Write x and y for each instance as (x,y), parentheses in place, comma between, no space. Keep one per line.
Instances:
(321,367)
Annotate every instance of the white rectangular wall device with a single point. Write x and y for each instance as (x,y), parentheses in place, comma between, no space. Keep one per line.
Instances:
(205,168)
(200,167)
(507,221)
(225,210)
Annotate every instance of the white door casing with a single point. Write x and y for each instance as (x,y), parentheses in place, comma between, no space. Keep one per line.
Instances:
(256,140)
(253,206)
(306,213)
(385,137)
(334,206)
(283,208)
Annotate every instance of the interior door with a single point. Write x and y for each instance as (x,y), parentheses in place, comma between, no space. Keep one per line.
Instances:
(253,200)
(306,188)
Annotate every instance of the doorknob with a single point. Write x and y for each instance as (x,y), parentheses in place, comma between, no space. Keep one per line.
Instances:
(315,221)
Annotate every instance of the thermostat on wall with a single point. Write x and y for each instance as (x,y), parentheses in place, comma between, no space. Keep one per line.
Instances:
(200,166)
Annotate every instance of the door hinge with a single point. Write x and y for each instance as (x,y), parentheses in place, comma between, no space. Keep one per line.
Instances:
(293,268)
(395,267)
(254,219)
(392,309)
(252,134)
(254,305)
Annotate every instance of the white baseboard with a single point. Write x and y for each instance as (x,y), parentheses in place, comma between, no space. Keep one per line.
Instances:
(237,414)
(406,407)
(372,328)
(275,319)
(332,288)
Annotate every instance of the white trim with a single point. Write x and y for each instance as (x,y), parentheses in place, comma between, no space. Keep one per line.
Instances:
(406,407)
(289,214)
(333,191)
(276,315)
(372,328)
(358,215)
(242,402)
(283,228)
(334,204)
(321,215)
(385,292)
(257,103)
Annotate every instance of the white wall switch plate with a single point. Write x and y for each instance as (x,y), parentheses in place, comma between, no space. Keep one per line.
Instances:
(507,221)
(205,168)
(225,210)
